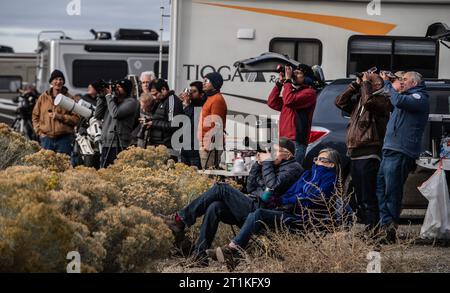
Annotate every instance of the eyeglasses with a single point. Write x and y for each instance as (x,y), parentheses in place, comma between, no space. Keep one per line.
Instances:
(322,160)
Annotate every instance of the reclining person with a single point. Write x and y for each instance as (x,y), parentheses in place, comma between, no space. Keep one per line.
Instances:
(223,203)
(306,201)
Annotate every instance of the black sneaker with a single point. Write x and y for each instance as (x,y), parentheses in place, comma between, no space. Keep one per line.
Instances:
(388,234)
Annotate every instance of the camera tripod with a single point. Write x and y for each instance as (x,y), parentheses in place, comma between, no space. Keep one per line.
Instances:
(119,147)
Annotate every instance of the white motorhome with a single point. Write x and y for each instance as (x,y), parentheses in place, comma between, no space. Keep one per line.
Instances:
(340,36)
(16,70)
(85,61)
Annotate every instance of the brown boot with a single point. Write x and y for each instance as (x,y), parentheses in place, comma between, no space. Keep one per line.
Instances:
(229,256)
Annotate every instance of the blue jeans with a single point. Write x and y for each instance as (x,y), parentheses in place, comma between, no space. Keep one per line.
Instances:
(257,221)
(300,152)
(61,144)
(393,172)
(220,203)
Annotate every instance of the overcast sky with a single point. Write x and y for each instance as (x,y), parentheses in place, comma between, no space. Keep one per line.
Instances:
(22,20)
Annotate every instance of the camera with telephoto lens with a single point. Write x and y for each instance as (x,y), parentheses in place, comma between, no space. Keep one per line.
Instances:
(25,104)
(113,85)
(141,133)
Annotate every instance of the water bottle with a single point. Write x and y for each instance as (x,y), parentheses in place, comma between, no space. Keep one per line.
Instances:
(266,194)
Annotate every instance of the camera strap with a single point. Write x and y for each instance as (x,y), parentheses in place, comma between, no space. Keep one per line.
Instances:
(171,107)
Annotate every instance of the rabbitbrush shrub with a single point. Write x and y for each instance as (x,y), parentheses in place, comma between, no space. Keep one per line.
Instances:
(13,147)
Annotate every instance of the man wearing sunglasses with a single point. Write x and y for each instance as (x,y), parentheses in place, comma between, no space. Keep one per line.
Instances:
(369,108)
(192,101)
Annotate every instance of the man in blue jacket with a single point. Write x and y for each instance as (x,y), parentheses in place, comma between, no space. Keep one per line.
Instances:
(401,147)
(223,203)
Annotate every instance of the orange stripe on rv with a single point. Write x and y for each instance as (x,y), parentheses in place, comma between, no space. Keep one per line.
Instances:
(362,26)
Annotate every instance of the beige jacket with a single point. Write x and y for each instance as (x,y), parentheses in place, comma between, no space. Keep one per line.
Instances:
(52,127)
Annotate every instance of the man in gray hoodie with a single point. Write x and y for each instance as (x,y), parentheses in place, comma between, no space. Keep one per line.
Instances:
(119,112)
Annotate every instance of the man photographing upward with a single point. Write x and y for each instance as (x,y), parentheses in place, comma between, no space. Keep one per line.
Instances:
(296,104)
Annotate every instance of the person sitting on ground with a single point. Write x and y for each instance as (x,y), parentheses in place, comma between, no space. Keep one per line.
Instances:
(223,203)
(306,202)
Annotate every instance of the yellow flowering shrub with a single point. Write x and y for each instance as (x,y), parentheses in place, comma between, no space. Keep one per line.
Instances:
(45,214)
(134,237)
(161,191)
(48,160)
(13,147)
(48,208)
(152,157)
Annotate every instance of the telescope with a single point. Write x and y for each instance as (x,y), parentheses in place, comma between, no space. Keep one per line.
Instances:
(81,108)
(87,142)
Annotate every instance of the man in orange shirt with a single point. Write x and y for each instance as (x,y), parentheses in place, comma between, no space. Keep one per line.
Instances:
(212,122)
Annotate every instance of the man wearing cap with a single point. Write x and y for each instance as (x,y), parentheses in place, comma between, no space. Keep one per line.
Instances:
(269,178)
(119,113)
(54,124)
(212,122)
(296,104)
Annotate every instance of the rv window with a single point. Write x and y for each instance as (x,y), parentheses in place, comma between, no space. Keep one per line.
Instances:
(308,51)
(10,84)
(165,67)
(393,53)
(87,71)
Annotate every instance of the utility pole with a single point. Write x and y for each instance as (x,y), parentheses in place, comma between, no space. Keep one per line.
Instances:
(161,30)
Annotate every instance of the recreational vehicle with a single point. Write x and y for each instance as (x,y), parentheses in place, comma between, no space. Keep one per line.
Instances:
(16,69)
(81,61)
(84,61)
(343,37)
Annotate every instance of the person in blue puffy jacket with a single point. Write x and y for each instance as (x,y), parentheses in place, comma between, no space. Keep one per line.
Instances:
(307,199)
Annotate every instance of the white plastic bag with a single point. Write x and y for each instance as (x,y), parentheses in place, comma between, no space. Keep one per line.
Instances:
(437,218)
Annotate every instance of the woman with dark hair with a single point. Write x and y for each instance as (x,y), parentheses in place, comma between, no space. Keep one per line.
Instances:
(307,201)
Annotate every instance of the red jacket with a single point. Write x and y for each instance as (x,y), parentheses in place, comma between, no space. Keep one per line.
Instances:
(296,107)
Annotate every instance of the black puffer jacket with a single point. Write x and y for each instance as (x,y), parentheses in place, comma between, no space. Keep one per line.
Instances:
(162,115)
(278,178)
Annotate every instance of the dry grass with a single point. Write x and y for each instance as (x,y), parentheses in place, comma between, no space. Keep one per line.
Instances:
(319,247)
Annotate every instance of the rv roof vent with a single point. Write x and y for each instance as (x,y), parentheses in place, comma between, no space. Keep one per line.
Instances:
(101,35)
(6,49)
(136,34)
